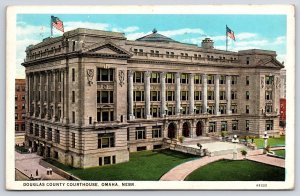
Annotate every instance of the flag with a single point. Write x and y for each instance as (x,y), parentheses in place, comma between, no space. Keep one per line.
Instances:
(230,33)
(57,23)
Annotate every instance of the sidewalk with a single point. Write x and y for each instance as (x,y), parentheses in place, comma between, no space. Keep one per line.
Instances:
(28,164)
(180,172)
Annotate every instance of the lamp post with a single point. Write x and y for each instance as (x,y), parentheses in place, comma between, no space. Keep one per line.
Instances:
(235,140)
(266,140)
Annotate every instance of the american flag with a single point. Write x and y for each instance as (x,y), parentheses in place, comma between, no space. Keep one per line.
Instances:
(230,33)
(57,23)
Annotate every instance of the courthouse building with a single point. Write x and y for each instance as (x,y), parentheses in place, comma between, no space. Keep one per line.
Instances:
(93,96)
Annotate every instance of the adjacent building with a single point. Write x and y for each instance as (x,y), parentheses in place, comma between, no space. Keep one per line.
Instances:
(20,105)
(93,96)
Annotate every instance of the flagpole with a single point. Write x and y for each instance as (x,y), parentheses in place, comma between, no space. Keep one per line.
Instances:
(226,38)
(51,26)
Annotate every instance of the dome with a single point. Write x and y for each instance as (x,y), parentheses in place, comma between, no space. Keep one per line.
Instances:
(155,37)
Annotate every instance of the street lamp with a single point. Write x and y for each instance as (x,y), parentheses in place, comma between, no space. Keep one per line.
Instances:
(266,139)
(235,140)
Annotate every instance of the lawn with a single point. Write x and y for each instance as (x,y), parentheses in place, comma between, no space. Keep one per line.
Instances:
(280,153)
(144,165)
(244,170)
(271,141)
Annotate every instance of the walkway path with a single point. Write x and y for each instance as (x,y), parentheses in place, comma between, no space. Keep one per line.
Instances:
(27,164)
(180,172)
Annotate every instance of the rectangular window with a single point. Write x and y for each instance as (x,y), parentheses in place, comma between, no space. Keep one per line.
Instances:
(211,109)
(36,131)
(106,140)
(170,78)
(49,134)
(247,80)
(106,96)
(105,75)
(184,109)
(222,79)
(154,111)
(212,127)
(16,116)
(100,161)
(247,125)
(73,140)
(170,95)
(107,160)
(268,95)
(156,132)
(155,77)
(198,109)
(16,127)
(235,125)
(247,109)
(198,95)
(155,95)
(222,95)
(269,125)
(184,95)
(55,154)
(171,111)
(57,136)
(269,108)
(222,108)
(140,133)
(31,128)
(73,74)
(138,95)
(233,95)
(247,95)
(210,95)
(139,112)
(73,117)
(197,79)
(234,109)
(223,125)
(90,120)
(233,80)
(269,80)
(184,78)
(210,79)
(73,96)
(43,132)
(138,77)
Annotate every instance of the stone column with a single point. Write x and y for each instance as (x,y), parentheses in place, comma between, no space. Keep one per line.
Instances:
(42,89)
(130,95)
(27,98)
(62,85)
(147,94)
(55,95)
(48,73)
(177,93)
(228,94)
(191,93)
(163,94)
(217,94)
(65,96)
(204,93)
(35,93)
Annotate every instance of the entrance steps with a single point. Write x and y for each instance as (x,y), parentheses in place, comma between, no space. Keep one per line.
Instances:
(201,140)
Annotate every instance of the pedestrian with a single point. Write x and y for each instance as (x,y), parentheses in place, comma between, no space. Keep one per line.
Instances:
(37,172)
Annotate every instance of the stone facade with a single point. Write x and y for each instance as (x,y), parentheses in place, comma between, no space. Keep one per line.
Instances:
(93,96)
(20,106)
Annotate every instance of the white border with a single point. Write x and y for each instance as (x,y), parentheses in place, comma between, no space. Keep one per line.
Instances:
(287,10)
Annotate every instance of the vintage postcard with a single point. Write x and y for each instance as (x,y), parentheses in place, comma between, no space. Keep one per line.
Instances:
(150,97)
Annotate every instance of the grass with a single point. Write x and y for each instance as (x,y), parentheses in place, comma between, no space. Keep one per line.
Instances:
(21,149)
(280,153)
(144,165)
(271,141)
(244,170)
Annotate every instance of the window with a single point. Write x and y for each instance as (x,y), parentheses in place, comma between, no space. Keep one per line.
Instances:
(197,95)
(184,78)
(106,140)
(138,95)
(100,161)
(268,95)
(269,80)
(233,80)
(170,78)
(23,127)
(247,60)
(73,96)
(105,115)
(184,109)
(222,79)
(211,109)
(90,120)
(210,79)
(154,111)
(247,95)
(139,112)
(233,95)
(152,53)
(140,133)
(55,154)
(222,95)
(138,77)
(49,134)
(198,109)
(170,95)
(222,108)
(16,117)
(247,80)
(106,75)
(269,108)
(223,125)
(105,97)
(184,95)
(269,125)
(16,97)
(73,117)
(73,140)
(210,95)
(197,79)
(247,125)
(155,95)
(156,132)
(235,125)
(43,132)
(23,97)
(155,77)
(31,128)
(73,74)
(212,127)
(23,105)
(247,109)
(16,106)
(57,136)
(16,127)
(36,130)
(171,111)
(234,109)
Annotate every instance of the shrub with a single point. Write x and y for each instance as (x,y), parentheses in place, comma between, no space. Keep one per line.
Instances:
(223,133)
(181,139)
(244,152)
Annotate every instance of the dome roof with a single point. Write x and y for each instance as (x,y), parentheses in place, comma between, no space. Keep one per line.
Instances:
(155,37)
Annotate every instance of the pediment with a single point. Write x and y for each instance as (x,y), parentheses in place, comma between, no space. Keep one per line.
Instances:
(270,62)
(106,48)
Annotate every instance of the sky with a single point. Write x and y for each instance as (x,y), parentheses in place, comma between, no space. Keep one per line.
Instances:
(251,31)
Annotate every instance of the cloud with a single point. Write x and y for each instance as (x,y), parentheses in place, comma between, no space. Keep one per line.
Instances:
(175,32)
(24,31)
(279,40)
(126,30)
(71,25)
(134,36)
(245,35)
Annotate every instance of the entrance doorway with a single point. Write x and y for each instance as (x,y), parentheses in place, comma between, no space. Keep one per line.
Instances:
(186,129)
(171,130)
(199,128)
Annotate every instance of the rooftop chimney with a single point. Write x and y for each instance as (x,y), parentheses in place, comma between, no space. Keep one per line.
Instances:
(207,43)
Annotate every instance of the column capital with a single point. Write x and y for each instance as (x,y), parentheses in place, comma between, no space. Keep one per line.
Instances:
(177,75)
(147,73)
(163,74)
(130,73)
